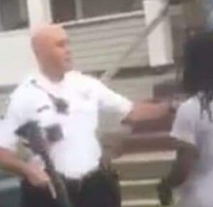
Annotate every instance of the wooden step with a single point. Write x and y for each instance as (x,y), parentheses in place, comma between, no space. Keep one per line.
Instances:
(139,189)
(144,165)
(141,203)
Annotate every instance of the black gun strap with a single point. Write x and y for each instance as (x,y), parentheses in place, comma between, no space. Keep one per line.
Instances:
(32,132)
(60,104)
(50,95)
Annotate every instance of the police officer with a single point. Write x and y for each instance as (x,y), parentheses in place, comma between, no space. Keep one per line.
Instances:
(77,155)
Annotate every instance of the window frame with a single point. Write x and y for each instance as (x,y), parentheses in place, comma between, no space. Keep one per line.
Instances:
(17,30)
(101,19)
(80,19)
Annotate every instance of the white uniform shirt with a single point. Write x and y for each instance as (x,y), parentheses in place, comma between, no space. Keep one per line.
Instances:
(79,152)
(191,128)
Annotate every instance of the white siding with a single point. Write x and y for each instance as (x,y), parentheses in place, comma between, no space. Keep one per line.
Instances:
(16,59)
(100,45)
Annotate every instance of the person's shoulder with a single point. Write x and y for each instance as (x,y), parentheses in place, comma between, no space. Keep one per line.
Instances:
(190,106)
(191,102)
(23,90)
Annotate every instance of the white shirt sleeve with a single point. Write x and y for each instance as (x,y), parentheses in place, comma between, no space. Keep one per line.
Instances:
(110,101)
(16,115)
(184,126)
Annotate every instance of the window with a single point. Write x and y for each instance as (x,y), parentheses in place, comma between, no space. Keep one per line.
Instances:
(66,10)
(13,14)
(92,8)
(63,10)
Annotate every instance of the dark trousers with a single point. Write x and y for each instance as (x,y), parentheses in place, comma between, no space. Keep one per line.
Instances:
(101,189)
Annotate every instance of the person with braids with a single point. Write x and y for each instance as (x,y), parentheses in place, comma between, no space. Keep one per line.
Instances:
(192,173)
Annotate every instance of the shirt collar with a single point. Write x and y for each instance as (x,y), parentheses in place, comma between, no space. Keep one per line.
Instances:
(46,83)
(49,85)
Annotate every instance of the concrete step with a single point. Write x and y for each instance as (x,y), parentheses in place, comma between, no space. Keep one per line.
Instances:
(139,189)
(141,166)
(141,203)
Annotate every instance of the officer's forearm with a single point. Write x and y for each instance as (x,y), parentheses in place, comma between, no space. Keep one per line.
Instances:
(9,161)
(147,111)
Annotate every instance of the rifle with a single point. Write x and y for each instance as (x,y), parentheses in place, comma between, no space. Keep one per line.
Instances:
(33,133)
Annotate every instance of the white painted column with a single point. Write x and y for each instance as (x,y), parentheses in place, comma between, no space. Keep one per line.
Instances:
(1,26)
(160,42)
(39,11)
(79,9)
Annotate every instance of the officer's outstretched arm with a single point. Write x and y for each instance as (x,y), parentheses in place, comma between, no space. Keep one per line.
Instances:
(148,111)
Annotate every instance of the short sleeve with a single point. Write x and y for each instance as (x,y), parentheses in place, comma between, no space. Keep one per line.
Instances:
(110,101)
(184,125)
(16,115)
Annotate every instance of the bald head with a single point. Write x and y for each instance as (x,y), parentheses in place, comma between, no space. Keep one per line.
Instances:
(41,34)
(51,47)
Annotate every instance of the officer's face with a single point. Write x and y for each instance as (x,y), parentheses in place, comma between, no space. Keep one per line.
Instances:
(51,46)
(58,51)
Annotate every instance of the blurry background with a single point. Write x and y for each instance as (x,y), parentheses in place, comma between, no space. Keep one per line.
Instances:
(135,46)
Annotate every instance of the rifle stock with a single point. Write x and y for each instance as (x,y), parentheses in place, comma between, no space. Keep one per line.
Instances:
(33,134)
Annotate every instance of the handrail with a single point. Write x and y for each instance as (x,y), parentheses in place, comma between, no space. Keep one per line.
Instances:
(102,19)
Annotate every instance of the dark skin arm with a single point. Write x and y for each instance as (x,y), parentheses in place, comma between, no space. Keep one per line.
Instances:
(187,155)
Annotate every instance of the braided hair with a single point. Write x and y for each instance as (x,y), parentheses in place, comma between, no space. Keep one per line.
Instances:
(198,71)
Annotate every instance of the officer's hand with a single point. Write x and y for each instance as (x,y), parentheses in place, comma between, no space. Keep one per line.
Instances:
(36,176)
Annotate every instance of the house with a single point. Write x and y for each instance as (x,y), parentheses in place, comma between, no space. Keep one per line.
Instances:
(101,34)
